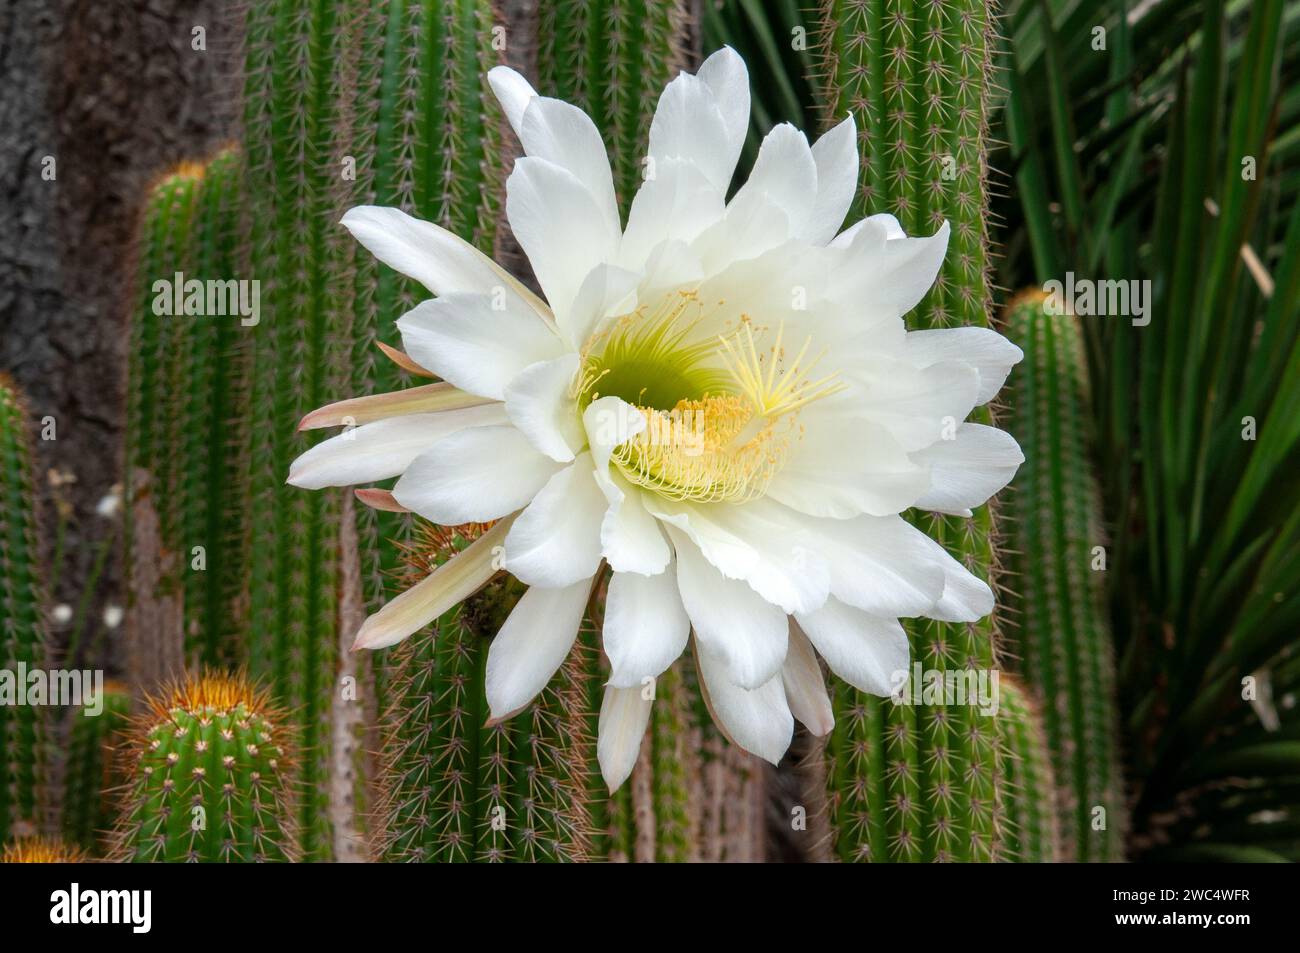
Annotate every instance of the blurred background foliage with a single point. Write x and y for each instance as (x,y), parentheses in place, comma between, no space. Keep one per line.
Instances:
(1157,141)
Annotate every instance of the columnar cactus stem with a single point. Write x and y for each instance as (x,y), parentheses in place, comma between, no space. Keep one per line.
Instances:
(1058,559)
(93,772)
(210,778)
(1028,793)
(23,728)
(919,782)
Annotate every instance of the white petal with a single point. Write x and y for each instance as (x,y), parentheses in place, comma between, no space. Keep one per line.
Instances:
(881,564)
(439,260)
(688,125)
(677,202)
(538,403)
(841,468)
(646,627)
(556,539)
(608,291)
(560,227)
(894,274)
(784,175)
(805,688)
(988,352)
(836,155)
(747,633)
(561,133)
(470,341)
(532,644)
(624,715)
(862,649)
(757,720)
(474,476)
(513,92)
(965,598)
(630,537)
(968,469)
(725,74)
(385,448)
(917,406)
(443,589)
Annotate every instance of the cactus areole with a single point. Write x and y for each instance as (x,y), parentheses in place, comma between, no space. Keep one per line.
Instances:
(718,399)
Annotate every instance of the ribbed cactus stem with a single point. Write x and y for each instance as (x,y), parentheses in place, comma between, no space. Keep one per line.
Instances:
(613,58)
(23,728)
(92,775)
(1028,793)
(1058,558)
(459,789)
(210,778)
(919,782)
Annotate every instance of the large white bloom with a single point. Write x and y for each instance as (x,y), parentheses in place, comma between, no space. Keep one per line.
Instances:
(719,401)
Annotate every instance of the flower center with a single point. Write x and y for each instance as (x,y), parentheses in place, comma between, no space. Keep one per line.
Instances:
(720,412)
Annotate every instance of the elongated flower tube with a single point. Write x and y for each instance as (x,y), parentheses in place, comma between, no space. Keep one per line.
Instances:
(719,400)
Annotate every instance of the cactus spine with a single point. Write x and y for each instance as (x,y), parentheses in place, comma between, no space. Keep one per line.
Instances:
(1028,794)
(1063,636)
(919,782)
(23,729)
(93,771)
(210,783)
(40,850)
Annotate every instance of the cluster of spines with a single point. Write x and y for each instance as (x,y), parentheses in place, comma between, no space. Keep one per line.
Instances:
(919,782)
(1027,796)
(23,728)
(458,787)
(210,778)
(92,771)
(613,58)
(1057,548)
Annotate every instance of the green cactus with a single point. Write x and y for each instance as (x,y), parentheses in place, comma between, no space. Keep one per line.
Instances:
(1056,541)
(93,771)
(459,789)
(612,58)
(1028,792)
(23,728)
(919,782)
(209,779)
(185,377)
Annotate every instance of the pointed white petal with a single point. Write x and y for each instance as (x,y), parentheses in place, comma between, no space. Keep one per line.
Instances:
(560,226)
(477,342)
(556,539)
(385,448)
(968,469)
(757,720)
(532,644)
(965,598)
(805,688)
(629,536)
(881,564)
(677,202)
(645,628)
(836,155)
(446,587)
(439,260)
(608,291)
(785,176)
(513,92)
(688,125)
(864,650)
(561,133)
(624,715)
(988,352)
(473,476)
(726,76)
(746,633)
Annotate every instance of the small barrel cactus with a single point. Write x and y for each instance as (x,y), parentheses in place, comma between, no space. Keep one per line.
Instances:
(210,778)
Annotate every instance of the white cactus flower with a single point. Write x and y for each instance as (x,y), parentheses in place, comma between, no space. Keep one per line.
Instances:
(719,400)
